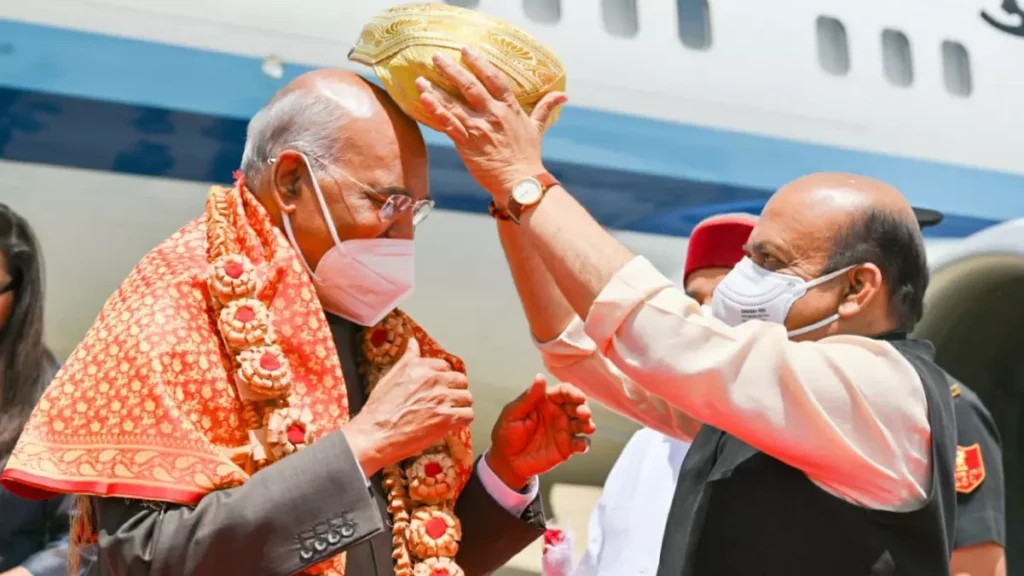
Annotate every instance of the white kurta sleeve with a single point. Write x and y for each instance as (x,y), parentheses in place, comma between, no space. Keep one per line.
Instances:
(573,357)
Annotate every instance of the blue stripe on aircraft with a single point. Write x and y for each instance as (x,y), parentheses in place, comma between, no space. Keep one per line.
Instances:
(103,102)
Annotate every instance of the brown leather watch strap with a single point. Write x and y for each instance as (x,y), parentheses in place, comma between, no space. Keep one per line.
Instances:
(498,213)
(547,180)
(515,210)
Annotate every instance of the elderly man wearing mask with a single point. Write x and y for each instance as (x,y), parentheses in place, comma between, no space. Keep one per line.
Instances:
(826,438)
(250,401)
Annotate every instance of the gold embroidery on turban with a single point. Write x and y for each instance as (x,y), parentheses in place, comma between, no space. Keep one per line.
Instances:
(399,44)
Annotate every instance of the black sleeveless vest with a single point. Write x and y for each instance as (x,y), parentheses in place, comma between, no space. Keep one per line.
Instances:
(739,512)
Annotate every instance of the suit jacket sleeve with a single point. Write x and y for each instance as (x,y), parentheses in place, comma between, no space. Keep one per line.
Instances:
(490,535)
(287,517)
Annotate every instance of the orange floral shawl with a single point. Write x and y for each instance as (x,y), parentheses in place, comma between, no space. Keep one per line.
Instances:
(212,360)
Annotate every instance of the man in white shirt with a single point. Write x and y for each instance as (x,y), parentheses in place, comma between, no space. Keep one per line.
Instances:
(627,525)
(823,438)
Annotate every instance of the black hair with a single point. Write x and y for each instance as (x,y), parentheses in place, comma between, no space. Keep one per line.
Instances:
(895,245)
(26,364)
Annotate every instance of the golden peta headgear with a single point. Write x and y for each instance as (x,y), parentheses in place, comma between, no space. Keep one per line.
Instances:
(400,43)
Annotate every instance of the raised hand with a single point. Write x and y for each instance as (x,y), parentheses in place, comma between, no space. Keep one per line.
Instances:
(498,141)
(410,409)
(539,430)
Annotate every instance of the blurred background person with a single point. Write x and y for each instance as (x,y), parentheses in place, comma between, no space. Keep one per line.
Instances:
(33,534)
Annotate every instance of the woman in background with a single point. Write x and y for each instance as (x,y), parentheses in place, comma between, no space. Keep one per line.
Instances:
(33,535)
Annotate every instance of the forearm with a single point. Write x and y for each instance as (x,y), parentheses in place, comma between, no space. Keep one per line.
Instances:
(287,517)
(580,255)
(366,444)
(547,311)
(573,357)
(981,560)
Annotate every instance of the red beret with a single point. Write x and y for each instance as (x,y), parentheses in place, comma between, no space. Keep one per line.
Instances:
(718,242)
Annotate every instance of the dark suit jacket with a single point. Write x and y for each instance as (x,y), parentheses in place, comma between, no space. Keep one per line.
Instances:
(289,516)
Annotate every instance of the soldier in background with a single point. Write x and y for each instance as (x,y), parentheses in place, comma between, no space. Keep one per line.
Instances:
(980,537)
(979,545)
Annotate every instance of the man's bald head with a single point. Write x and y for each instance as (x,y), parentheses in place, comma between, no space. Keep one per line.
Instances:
(844,195)
(317,113)
(360,148)
(826,222)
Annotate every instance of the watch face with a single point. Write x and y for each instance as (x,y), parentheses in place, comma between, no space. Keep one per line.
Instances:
(527,192)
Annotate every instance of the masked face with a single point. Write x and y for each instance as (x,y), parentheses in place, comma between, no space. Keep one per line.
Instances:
(750,292)
(361,280)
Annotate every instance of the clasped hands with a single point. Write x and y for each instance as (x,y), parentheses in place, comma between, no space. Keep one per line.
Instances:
(416,403)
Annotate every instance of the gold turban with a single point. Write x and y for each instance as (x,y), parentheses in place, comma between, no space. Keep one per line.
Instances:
(400,43)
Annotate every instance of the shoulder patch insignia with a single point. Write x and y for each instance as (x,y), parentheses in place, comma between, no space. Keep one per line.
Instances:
(954,390)
(970,468)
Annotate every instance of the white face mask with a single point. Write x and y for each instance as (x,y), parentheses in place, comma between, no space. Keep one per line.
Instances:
(749,292)
(360,280)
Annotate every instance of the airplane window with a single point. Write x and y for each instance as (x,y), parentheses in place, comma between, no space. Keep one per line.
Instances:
(620,17)
(896,61)
(546,11)
(694,23)
(464,3)
(956,68)
(833,48)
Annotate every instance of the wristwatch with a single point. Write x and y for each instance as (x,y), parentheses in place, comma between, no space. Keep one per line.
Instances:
(528,193)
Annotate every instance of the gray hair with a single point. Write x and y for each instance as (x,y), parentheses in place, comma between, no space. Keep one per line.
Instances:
(306,121)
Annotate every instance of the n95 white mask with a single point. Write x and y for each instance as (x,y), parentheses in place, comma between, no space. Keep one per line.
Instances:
(750,292)
(360,280)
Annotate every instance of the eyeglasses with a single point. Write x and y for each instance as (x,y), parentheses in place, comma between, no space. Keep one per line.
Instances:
(392,206)
(397,204)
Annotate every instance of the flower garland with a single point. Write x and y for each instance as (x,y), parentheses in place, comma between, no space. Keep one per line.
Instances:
(421,491)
